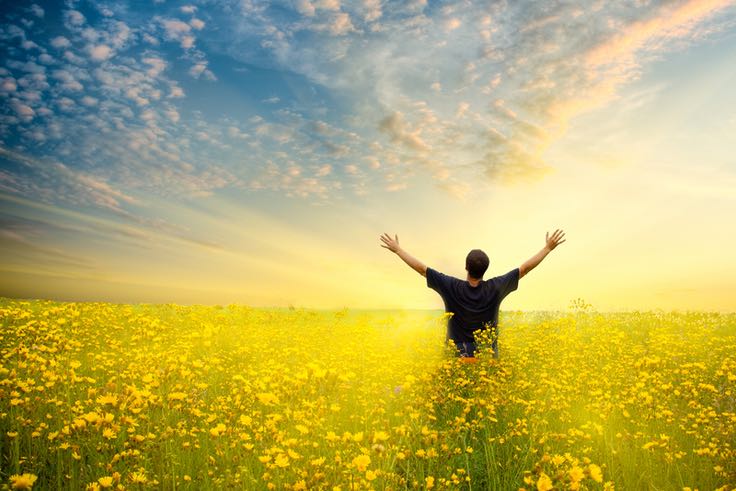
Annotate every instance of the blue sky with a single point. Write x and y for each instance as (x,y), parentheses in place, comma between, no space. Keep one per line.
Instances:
(133,134)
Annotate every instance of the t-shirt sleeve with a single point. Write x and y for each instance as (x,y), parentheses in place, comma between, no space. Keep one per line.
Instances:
(509,282)
(437,281)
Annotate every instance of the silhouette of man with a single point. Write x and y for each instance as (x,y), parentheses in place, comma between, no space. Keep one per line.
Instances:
(474,302)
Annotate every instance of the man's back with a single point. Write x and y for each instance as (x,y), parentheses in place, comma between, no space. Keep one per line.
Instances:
(473,307)
(474,302)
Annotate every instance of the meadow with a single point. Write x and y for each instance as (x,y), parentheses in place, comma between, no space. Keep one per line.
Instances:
(114,396)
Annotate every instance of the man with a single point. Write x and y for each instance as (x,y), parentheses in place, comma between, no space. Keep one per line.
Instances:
(474,302)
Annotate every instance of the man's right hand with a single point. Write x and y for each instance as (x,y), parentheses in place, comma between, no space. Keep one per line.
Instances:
(555,240)
(389,243)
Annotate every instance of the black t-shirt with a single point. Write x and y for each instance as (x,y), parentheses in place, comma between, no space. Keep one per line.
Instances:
(473,307)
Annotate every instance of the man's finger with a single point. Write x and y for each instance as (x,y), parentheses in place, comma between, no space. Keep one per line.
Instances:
(560,242)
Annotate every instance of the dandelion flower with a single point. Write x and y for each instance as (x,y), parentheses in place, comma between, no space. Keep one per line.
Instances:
(105,482)
(22,481)
(544,483)
(595,473)
(361,462)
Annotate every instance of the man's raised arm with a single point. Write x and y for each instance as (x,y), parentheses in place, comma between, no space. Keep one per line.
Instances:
(550,244)
(393,246)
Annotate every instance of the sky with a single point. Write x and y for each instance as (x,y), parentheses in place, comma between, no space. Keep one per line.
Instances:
(250,152)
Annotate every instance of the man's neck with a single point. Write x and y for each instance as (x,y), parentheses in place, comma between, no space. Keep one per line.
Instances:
(473,281)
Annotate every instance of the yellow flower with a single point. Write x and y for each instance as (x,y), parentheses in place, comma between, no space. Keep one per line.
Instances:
(281,460)
(370,475)
(429,482)
(138,477)
(268,398)
(576,474)
(105,482)
(218,430)
(595,473)
(544,483)
(361,462)
(110,399)
(22,481)
(380,436)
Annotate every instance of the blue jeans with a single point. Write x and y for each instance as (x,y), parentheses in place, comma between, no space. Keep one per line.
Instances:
(468,349)
(465,349)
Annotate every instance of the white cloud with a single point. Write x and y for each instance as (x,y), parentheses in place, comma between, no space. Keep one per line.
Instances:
(197,24)
(187,42)
(188,9)
(199,69)
(119,34)
(176,92)
(452,24)
(339,25)
(8,85)
(328,4)
(74,18)
(305,7)
(65,103)
(172,114)
(99,52)
(323,170)
(148,115)
(36,10)
(175,29)
(67,80)
(24,111)
(60,42)
(73,58)
(397,129)
(372,10)
(157,65)
(89,101)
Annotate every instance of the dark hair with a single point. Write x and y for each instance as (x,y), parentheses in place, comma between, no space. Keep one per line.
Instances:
(476,263)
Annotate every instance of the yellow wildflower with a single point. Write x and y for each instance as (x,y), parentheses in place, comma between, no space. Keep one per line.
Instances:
(105,482)
(22,481)
(544,483)
(361,462)
(595,473)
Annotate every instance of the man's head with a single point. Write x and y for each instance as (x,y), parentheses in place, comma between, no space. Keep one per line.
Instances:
(476,264)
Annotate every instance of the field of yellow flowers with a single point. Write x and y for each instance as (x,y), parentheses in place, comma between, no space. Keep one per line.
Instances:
(96,396)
